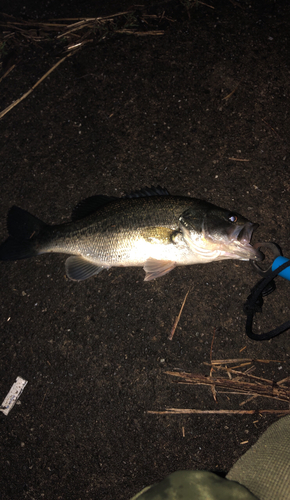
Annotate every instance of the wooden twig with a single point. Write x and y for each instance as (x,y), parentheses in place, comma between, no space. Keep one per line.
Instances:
(251,398)
(34,31)
(287,379)
(206,4)
(170,336)
(177,411)
(262,387)
(34,87)
(7,72)
(245,374)
(232,92)
(212,387)
(211,345)
(241,360)
(239,384)
(238,159)
(139,33)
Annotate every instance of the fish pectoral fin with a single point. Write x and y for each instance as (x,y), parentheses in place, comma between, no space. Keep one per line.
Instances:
(155,268)
(78,269)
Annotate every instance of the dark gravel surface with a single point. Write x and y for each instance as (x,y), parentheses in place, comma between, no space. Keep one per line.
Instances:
(122,113)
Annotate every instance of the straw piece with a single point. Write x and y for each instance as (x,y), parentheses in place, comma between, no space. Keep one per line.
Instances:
(32,88)
(170,336)
(261,387)
(177,411)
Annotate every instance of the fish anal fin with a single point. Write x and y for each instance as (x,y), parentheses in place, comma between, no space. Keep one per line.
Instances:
(155,268)
(79,269)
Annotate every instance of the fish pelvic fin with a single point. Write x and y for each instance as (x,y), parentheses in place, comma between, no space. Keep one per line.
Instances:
(155,268)
(79,269)
(23,229)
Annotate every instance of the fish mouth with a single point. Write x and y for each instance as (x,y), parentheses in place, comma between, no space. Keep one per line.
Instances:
(218,241)
(242,239)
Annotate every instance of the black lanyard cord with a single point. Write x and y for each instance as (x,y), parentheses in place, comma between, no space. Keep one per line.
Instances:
(254,304)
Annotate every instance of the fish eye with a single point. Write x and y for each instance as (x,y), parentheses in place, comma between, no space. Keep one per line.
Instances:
(233,218)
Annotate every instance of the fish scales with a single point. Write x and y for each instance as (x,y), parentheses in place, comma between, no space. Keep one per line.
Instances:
(114,231)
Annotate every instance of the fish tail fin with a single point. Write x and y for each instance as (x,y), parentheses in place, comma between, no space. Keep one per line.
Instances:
(23,229)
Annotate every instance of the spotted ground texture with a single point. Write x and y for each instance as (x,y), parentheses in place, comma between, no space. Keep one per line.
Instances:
(203,110)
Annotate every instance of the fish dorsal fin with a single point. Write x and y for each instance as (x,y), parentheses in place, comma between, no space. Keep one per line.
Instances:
(90,205)
(155,268)
(153,191)
(79,269)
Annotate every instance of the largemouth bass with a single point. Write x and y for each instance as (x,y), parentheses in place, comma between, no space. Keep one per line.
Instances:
(149,228)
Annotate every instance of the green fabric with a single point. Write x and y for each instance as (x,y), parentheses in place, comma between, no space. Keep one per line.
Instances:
(263,473)
(195,485)
(265,468)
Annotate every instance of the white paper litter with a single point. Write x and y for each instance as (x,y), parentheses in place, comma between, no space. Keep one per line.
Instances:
(13,395)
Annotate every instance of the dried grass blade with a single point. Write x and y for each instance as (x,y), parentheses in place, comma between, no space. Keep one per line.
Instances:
(249,388)
(176,411)
(15,103)
(170,336)
(241,360)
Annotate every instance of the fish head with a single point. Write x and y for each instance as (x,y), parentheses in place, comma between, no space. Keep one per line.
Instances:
(219,234)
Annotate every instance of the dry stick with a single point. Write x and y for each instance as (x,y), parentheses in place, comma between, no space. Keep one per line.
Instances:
(251,398)
(198,377)
(7,72)
(220,367)
(245,374)
(213,390)
(262,387)
(58,19)
(249,388)
(76,26)
(139,33)
(81,22)
(211,346)
(99,20)
(78,45)
(170,336)
(240,360)
(206,4)
(287,379)
(32,88)
(238,159)
(241,366)
(272,129)
(232,92)
(212,387)
(254,395)
(236,386)
(176,411)
(108,18)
